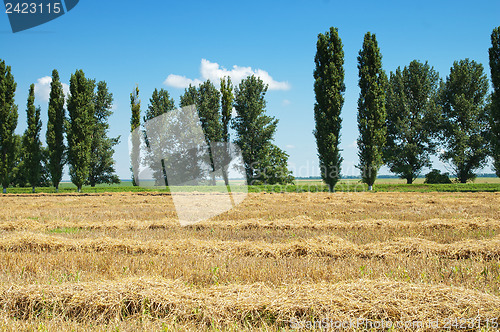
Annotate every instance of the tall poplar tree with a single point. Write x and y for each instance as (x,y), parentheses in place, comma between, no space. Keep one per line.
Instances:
(159,104)
(265,163)
(494,111)
(208,107)
(371,110)
(135,122)
(227,102)
(8,116)
(31,141)
(465,123)
(55,131)
(329,89)
(412,118)
(101,168)
(80,127)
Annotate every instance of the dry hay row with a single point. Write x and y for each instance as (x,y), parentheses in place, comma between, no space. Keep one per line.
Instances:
(323,246)
(296,223)
(252,304)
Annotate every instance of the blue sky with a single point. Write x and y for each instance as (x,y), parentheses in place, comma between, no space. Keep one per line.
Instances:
(143,42)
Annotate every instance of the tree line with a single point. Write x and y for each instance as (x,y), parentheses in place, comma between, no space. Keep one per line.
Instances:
(241,108)
(78,138)
(405,118)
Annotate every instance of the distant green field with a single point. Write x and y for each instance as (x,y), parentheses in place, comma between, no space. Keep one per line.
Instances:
(482,184)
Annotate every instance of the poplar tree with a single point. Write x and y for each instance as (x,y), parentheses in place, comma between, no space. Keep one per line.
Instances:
(135,122)
(227,101)
(8,124)
(329,89)
(371,110)
(412,117)
(101,167)
(208,107)
(55,131)
(494,111)
(159,104)
(264,162)
(465,125)
(80,127)
(31,141)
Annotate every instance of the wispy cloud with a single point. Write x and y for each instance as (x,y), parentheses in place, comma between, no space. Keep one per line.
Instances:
(42,88)
(286,102)
(214,72)
(290,146)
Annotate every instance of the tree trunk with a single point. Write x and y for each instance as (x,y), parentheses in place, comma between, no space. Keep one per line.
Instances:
(4,190)
(331,188)
(370,188)
(409,180)
(33,189)
(79,189)
(57,188)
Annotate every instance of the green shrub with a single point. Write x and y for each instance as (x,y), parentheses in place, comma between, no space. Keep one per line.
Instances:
(435,176)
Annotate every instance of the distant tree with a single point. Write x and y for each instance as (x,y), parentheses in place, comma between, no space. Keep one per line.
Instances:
(8,116)
(208,106)
(31,141)
(135,122)
(494,109)
(465,124)
(254,133)
(227,102)
(101,167)
(55,131)
(329,89)
(412,115)
(80,127)
(435,176)
(371,110)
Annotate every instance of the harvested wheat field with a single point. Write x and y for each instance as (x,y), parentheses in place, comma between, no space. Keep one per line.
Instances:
(306,261)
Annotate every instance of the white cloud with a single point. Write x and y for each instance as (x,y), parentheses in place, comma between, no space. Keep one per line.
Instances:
(290,146)
(353,144)
(180,82)
(286,102)
(214,72)
(42,88)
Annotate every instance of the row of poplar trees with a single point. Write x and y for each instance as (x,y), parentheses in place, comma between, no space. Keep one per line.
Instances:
(87,149)
(404,119)
(252,128)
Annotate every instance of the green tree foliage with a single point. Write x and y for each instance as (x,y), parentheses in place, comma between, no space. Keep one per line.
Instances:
(31,141)
(101,168)
(464,121)
(435,176)
(159,103)
(411,117)
(55,131)
(227,102)
(8,124)
(254,134)
(371,110)
(18,175)
(329,89)
(80,127)
(135,122)
(494,109)
(189,97)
